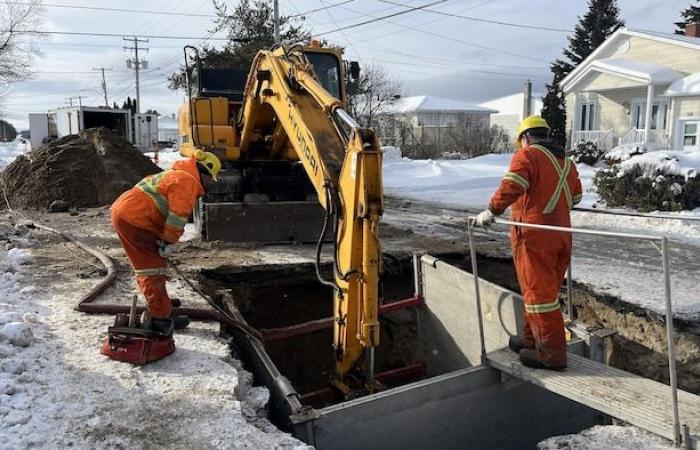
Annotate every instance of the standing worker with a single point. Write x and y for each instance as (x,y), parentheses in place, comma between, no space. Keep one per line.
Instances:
(150,218)
(542,185)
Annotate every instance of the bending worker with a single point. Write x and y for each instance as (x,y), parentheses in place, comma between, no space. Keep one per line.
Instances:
(542,185)
(150,218)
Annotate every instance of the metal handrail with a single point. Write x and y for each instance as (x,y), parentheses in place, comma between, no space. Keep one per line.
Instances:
(610,234)
(635,214)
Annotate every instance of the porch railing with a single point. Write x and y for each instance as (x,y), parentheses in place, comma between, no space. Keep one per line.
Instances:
(603,139)
(658,139)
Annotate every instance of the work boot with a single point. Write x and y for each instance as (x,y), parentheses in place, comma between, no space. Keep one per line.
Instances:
(529,359)
(162,327)
(180,322)
(516,343)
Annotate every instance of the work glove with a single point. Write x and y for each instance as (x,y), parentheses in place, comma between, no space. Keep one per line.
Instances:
(165,249)
(484,218)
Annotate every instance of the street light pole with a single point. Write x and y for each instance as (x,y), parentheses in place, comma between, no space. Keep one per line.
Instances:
(276,8)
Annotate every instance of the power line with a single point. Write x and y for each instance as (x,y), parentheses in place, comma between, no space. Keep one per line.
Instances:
(146,36)
(377,19)
(99,8)
(468,43)
(479,19)
(311,11)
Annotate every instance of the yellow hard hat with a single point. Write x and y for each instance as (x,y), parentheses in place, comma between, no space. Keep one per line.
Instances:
(528,124)
(209,161)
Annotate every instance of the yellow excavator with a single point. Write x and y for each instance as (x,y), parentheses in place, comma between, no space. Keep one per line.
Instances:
(288,145)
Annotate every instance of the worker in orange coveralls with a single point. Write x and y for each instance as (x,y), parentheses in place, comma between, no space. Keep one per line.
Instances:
(150,218)
(542,185)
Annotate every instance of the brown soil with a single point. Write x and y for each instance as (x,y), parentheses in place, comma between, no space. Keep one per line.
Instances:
(89,170)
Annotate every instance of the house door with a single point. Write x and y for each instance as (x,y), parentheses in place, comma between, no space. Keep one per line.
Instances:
(690,135)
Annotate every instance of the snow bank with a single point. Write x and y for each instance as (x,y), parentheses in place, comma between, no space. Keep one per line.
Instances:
(610,437)
(10,150)
(670,162)
(458,183)
(624,152)
(166,157)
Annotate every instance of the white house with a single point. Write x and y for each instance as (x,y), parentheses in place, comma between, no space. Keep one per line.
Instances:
(638,87)
(510,110)
(167,128)
(429,121)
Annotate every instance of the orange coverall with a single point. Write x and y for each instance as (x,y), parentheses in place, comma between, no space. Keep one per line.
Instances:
(542,185)
(157,208)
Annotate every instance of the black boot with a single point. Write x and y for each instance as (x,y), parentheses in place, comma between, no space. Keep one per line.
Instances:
(162,327)
(516,343)
(180,322)
(529,358)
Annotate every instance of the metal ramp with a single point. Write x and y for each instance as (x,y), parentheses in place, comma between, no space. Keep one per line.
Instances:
(636,400)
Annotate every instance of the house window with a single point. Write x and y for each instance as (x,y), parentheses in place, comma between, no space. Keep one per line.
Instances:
(659,115)
(690,134)
(587,121)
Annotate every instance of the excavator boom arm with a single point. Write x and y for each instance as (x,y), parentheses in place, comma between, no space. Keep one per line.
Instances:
(343,162)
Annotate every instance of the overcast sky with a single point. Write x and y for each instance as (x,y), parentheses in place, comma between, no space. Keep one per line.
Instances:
(429,53)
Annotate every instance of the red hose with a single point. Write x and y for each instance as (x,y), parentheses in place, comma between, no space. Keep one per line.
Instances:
(85,304)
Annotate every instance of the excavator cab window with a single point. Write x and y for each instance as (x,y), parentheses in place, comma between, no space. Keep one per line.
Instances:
(327,69)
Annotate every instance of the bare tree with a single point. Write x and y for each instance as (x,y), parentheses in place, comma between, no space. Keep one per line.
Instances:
(374,90)
(18,33)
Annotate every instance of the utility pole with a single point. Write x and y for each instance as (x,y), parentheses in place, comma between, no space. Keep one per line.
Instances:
(137,63)
(278,40)
(104,82)
(527,100)
(69,100)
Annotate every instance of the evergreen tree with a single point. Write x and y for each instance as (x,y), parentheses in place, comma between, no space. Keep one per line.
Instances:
(600,21)
(249,28)
(689,15)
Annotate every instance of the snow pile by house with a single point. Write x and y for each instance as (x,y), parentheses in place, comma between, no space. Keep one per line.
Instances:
(669,162)
(624,152)
(165,158)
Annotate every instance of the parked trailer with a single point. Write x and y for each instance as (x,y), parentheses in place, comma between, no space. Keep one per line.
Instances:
(139,129)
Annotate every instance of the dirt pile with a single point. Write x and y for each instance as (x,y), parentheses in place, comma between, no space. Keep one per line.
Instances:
(88,170)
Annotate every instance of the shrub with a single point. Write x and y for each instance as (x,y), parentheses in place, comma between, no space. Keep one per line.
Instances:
(635,188)
(587,153)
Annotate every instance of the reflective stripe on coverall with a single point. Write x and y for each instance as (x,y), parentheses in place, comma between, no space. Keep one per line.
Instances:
(157,208)
(542,185)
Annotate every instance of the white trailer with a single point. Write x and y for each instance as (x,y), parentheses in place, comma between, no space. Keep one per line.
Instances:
(61,122)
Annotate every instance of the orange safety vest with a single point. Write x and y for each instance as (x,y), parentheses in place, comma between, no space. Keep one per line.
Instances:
(162,203)
(541,187)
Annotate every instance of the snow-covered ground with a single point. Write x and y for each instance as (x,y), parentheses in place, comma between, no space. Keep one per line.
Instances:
(10,150)
(57,391)
(611,437)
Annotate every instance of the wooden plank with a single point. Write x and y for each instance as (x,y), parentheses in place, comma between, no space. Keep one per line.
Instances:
(637,400)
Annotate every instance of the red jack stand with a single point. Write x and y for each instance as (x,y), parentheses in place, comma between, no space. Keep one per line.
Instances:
(127,341)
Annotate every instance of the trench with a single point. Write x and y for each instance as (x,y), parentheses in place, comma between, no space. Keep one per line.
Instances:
(271,297)
(274,297)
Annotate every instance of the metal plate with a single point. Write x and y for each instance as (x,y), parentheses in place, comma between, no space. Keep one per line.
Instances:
(271,223)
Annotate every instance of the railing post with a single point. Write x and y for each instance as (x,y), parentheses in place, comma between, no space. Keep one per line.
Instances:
(671,342)
(569,294)
(477,294)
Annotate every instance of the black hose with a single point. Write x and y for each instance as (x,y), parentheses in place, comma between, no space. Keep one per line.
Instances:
(319,245)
